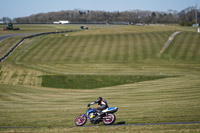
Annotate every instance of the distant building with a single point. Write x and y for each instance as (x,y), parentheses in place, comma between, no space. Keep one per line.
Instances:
(195,25)
(56,23)
(61,22)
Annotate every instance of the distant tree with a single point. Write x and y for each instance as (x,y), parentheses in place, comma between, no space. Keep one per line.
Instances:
(6,20)
(185,17)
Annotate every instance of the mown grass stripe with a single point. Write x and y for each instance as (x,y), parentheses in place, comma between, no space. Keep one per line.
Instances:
(80,49)
(113,48)
(37,48)
(67,44)
(45,49)
(76,49)
(126,49)
(159,37)
(171,48)
(71,50)
(54,54)
(50,51)
(129,48)
(95,45)
(183,46)
(186,47)
(109,48)
(59,49)
(3,77)
(15,77)
(182,53)
(105,47)
(21,79)
(7,44)
(154,45)
(8,77)
(147,48)
(196,51)
(136,47)
(190,45)
(44,53)
(191,48)
(150,46)
(140,47)
(85,51)
(12,78)
(101,48)
(30,52)
(179,45)
(162,38)
(98,49)
(143,49)
(91,49)
(117,47)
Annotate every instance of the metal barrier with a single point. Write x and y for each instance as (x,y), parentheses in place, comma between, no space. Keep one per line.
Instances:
(31,36)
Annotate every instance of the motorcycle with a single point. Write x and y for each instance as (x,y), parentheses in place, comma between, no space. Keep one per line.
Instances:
(107,116)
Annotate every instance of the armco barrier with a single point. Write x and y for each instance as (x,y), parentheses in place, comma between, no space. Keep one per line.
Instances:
(31,36)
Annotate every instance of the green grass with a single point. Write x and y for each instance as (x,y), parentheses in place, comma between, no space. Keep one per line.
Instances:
(102,53)
(37,28)
(95,48)
(7,44)
(190,128)
(184,47)
(93,81)
(164,100)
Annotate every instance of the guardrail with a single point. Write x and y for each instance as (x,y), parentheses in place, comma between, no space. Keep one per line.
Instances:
(31,36)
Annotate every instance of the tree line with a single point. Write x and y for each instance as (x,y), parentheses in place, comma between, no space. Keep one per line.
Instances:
(135,16)
(185,17)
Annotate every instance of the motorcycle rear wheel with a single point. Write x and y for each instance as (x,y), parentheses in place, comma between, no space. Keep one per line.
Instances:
(81,120)
(109,119)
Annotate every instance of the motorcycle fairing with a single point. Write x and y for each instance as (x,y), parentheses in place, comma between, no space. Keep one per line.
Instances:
(89,111)
(110,110)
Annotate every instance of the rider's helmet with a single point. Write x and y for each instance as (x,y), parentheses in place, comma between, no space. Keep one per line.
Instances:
(99,99)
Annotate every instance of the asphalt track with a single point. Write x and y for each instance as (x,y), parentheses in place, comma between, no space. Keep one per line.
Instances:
(2,37)
(118,124)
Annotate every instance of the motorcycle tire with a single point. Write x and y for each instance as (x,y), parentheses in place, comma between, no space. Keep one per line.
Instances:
(109,119)
(80,120)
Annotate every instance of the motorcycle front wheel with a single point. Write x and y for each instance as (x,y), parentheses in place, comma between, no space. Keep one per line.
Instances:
(81,120)
(109,119)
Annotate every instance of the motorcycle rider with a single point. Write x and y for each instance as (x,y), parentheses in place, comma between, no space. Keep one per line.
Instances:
(103,105)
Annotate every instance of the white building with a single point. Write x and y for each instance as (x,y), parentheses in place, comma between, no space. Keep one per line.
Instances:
(61,22)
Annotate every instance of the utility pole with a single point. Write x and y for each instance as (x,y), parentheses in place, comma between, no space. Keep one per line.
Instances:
(196,17)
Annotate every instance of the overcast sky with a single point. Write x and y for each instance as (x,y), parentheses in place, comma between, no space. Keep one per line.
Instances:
(21,8)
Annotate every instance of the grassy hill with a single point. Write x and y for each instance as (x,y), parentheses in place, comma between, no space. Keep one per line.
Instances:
(185,47)
(103,53)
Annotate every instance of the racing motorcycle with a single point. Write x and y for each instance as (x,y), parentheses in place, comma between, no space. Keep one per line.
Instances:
(107,116)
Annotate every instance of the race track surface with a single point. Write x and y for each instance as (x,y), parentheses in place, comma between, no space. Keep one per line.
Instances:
(139,124)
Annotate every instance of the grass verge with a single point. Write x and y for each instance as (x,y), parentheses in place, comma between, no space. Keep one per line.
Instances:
(93,81)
